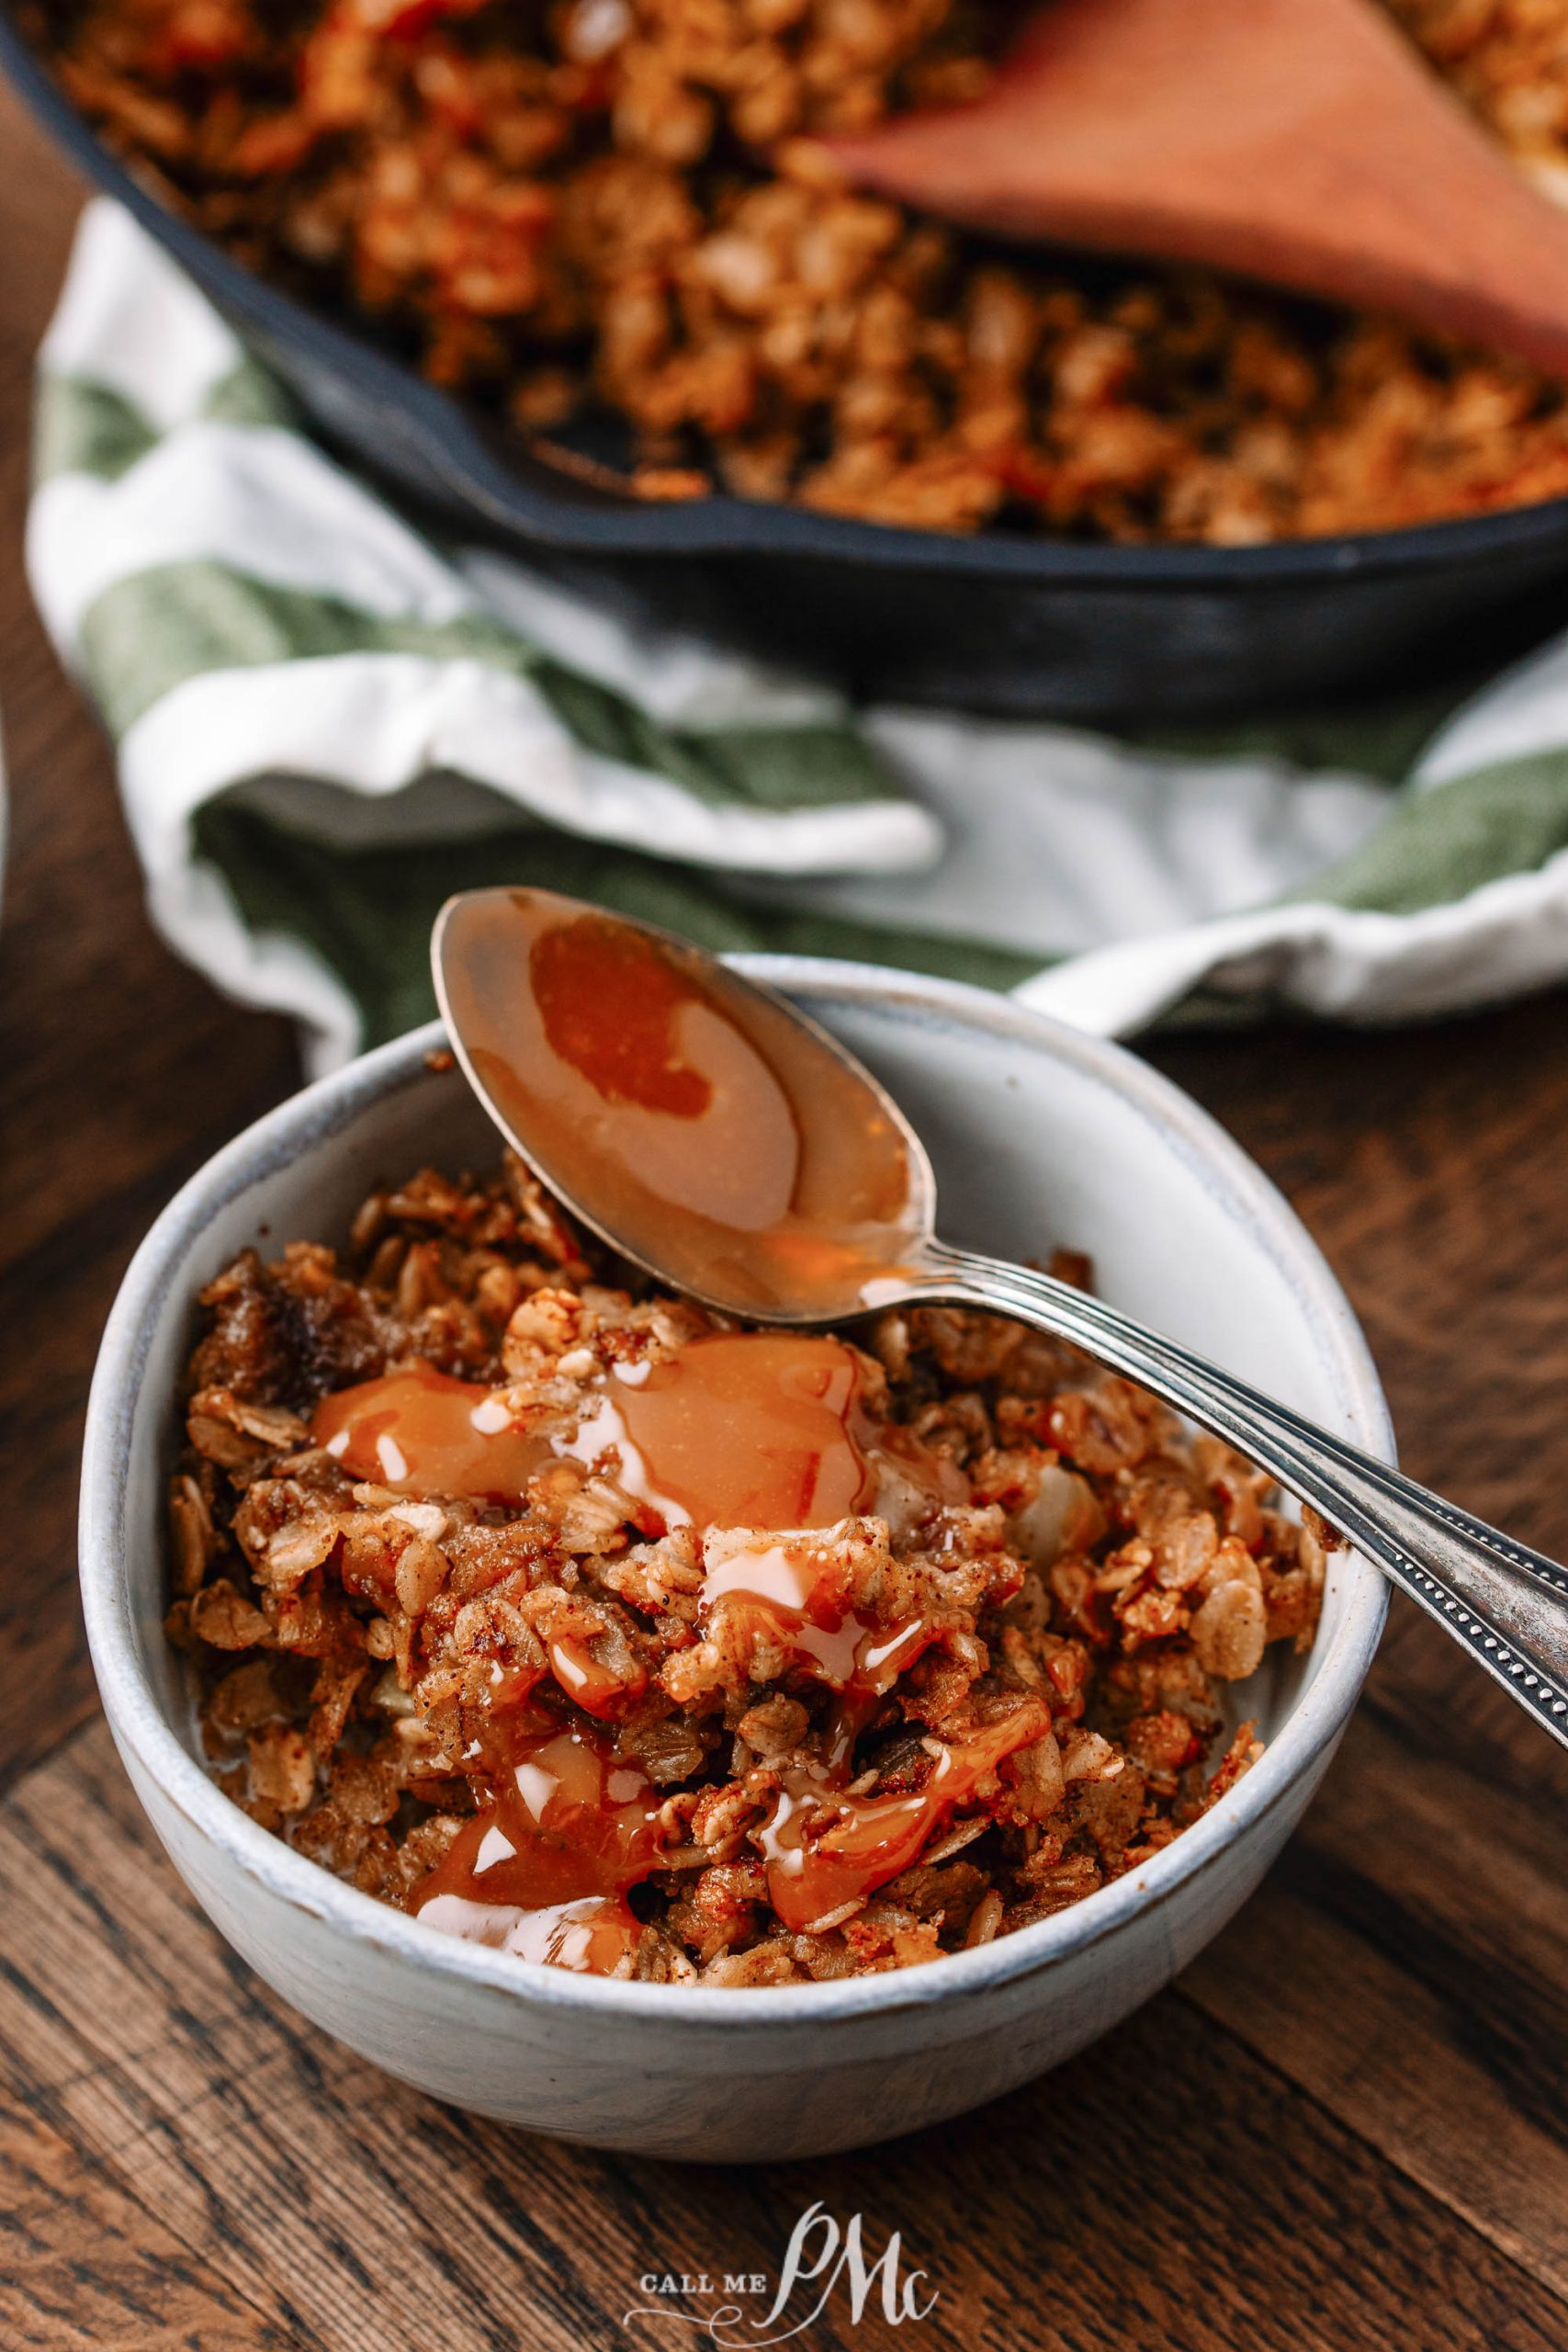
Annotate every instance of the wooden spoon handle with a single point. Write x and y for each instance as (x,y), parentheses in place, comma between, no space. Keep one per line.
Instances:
(1304,141)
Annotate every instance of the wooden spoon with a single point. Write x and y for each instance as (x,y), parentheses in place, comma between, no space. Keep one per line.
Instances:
(1302,142)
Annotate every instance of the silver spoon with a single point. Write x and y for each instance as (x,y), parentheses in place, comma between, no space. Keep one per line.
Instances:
(701,1126)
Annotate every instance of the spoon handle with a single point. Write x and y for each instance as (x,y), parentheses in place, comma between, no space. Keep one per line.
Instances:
(1508,1604)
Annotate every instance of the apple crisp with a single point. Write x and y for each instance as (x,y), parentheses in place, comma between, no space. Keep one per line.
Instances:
(598,1629)
(606,219)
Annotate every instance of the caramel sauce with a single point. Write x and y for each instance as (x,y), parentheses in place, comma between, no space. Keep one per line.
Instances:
(589,1684)
(872,1838)
(422,1432)
(694,1123)
(544,1867)
(761,1429)
(610,1010)
(777,1590)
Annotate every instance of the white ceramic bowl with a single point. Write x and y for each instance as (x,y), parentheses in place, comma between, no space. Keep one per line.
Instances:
(1040,1136)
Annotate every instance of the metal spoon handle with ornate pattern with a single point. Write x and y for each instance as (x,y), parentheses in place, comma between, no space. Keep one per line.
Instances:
(1505,1602)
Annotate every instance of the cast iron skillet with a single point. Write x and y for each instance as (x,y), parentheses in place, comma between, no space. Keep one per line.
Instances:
(999,623)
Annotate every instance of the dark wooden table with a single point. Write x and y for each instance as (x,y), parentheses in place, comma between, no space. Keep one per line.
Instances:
(1345,2127)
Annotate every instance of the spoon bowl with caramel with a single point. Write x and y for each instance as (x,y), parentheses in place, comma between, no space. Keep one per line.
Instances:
(709,1132)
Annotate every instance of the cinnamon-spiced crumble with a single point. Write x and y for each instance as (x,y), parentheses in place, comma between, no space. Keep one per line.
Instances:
(609,210)
(590,1626)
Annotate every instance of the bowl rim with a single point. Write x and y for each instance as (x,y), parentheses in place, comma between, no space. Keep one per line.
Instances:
(522,494)
(328,1110)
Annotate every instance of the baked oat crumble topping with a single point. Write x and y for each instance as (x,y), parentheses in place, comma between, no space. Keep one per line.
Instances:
(475,1626)
(610,208)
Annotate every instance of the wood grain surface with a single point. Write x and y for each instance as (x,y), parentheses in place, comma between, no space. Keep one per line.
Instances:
(1345,2127)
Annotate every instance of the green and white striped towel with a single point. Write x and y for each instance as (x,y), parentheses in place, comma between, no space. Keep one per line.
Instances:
(325,721)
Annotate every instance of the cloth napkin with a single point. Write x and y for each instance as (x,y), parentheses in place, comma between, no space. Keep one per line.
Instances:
(325,721)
